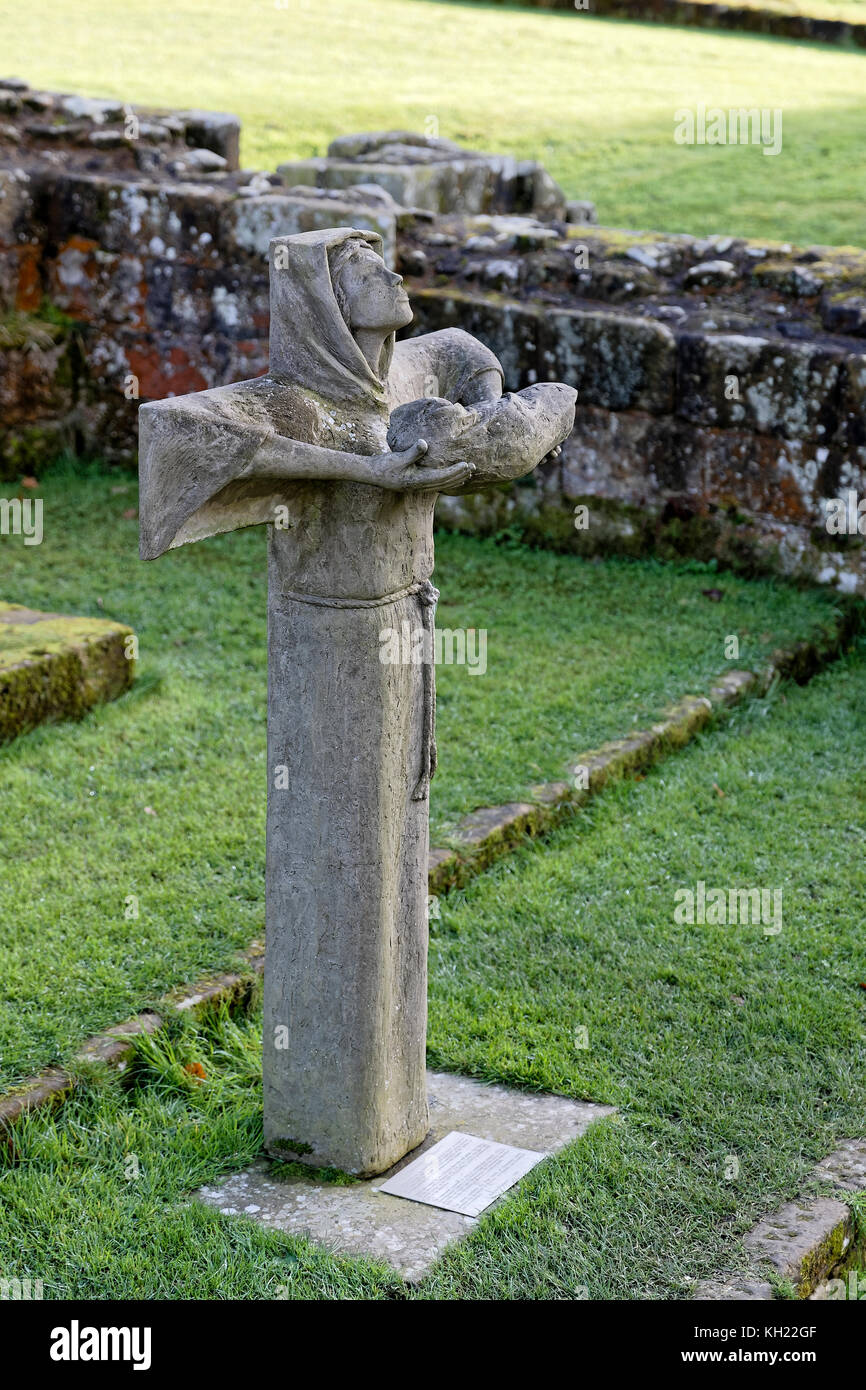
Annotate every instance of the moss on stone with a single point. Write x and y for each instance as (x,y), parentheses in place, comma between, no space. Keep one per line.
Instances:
(825,1259)
(54,667)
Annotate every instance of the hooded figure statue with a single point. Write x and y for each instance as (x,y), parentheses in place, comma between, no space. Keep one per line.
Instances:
(350,728)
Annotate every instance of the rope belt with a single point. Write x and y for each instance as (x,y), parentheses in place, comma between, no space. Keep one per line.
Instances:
(427,596)
(326,601)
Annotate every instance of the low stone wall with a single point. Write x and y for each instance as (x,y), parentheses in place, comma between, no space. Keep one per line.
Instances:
(701,15)
(722,386)
(153,289)
(133,252)
(722,382)
(133,265)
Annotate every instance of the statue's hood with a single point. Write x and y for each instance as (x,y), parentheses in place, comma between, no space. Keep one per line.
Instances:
(194,449)
(311,345)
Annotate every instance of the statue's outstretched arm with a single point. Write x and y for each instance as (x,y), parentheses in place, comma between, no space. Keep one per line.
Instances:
(174,435)
(205,468)
(400,470)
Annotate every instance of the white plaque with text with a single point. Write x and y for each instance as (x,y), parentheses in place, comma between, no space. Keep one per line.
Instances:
(462,1173)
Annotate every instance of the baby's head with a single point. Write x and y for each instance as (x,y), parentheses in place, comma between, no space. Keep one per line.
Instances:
(430,418)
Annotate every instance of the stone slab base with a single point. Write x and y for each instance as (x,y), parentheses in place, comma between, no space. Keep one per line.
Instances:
(361,1221)
(55,667)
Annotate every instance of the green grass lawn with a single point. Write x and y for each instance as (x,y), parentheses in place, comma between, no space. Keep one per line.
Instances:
(161,795)
(716,1043)
(594,99)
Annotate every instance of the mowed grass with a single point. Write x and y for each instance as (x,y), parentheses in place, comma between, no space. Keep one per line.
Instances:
(736,1058)
(593,99)
(156,803)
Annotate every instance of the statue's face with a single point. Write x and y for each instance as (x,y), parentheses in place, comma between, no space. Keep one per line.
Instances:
(374,294)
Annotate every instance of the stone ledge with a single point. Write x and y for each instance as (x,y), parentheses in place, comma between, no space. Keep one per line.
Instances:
(116,1045)
(433,175)
(732,1290)
(808,1242)
(805,1241)
(729,296)
(54,667)
(706,14)
(59,126)
(845,1167)
(493,831)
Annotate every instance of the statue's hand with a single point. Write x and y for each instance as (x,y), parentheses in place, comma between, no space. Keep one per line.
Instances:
(401,470)
(446,427)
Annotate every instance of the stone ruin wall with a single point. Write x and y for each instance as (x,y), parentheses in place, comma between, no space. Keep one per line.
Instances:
(722,382)
(704,14)
(722,387)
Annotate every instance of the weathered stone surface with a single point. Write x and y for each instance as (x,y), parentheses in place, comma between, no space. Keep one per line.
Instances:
(785,389)
(160,271)
(48,1089)
(19,242)
(852,441)
(251,223)
(812,1242)
(213,130)
(64,130)
(653,486)
(845,313)
(845,1167)
(505,823)
(805,1240)
(581,212)
(432,174)
(54,667)
(618,363)
(713,273)
(657,275)
(800,281)
(33,354)
(730,688)
(738,1289)
(359,1220)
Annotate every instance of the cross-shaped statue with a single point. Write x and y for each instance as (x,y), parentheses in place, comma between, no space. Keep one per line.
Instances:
(342,447)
